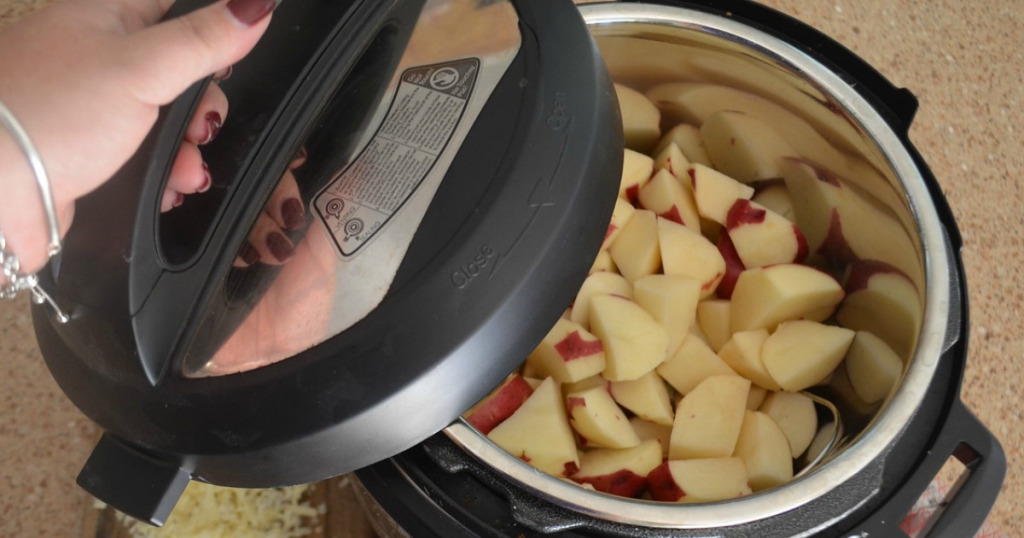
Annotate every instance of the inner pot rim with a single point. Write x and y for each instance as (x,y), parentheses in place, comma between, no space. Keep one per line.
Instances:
(938,333)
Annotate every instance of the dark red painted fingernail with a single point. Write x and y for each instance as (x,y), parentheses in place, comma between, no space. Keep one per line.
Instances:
(293,214)
(207,179)
(249,12)
(213,124)
(280,246)
(249,254)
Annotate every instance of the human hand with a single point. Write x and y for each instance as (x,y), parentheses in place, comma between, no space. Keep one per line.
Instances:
(86,79)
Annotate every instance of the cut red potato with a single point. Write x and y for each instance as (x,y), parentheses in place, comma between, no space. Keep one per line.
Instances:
(743,146)
(802,353)
(598,419)
(816,196)
(692,363)
(672,300)
(637,169)
(775,196)
(873,367)
(641,120)
(688,253)
(699,480)
(620,216)
(647,398)
(539,432)
(762,237)
(599,283)
(621,471)
(671,158)
(687,139)
(883,301)
(647,430)
(715,193)
(499,404)
(708,419)
(846,225)
(634,342)
(568,353)
(636,251)
(714,316)
(766,296)
(765,452)
(670,199)
(795,414)
(743,353)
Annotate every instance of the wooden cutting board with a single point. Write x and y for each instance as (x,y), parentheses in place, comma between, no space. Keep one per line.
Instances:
(344,516)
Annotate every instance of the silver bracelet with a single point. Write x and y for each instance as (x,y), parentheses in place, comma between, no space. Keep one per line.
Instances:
(9,264)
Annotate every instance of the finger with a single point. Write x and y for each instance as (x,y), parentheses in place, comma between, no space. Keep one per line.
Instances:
(168,57)
(285,206)
(189,174)
(247,255)
(209,116)
(270,242)
(171,200)
(299,159)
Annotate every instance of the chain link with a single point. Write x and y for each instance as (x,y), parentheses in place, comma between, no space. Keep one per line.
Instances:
(17,282)
(11,267)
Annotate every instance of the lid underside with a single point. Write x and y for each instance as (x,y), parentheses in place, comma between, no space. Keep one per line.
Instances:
(455,192)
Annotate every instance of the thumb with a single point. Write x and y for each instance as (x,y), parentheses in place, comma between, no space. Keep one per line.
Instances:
(177,52)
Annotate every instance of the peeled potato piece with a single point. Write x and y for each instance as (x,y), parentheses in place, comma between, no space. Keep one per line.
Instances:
(795,414)
(872,366)
(641,120)
(801,354)
(765,452)
(708,419)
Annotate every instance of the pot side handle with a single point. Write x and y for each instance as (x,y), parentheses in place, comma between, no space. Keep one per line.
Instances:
(967,504)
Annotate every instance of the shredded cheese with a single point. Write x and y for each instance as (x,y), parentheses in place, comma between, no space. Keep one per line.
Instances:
(206,511)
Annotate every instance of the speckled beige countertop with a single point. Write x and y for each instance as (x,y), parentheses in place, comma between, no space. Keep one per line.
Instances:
(965,63)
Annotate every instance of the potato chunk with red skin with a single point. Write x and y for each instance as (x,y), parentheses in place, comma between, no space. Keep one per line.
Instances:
(699,480)
(620,472)
(598,420)
(568,353)
(499,404)
(539,433)
(762,237)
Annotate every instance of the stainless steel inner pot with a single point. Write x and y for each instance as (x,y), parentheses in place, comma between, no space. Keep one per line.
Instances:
(649,44)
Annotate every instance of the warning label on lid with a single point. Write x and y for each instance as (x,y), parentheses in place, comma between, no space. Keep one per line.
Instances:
(425,112)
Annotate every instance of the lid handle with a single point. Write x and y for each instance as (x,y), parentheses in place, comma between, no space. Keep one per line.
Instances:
(138,484)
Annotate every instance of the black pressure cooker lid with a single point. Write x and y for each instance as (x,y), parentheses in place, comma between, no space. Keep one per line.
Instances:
(456,161)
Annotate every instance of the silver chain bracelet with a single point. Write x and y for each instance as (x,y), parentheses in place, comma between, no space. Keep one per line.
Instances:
(11,267)
(9,264)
